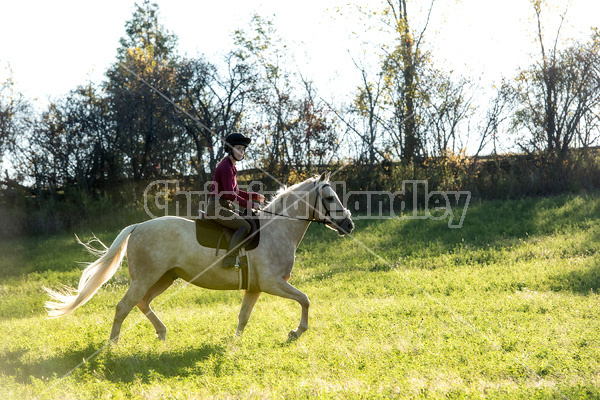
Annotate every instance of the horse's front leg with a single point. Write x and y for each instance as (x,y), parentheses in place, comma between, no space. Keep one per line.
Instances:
(283,289)
(248,303)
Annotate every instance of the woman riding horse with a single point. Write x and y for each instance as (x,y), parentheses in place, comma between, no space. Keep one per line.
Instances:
(164,249)
(225,191)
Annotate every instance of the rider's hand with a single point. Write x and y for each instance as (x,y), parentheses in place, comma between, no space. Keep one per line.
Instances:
(261,198)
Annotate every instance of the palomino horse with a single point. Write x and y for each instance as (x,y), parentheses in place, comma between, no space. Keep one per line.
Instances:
(164,249)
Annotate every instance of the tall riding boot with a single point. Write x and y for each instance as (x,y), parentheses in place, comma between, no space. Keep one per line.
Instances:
(234,247)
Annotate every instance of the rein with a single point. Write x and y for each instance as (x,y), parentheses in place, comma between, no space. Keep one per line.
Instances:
(294,218)
(318,196)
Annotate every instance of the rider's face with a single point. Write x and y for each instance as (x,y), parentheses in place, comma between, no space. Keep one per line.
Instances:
(238,151)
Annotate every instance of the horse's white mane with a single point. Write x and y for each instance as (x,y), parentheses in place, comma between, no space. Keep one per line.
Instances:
(284,191)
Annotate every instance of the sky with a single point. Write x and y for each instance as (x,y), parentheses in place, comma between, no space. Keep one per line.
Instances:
(50,47)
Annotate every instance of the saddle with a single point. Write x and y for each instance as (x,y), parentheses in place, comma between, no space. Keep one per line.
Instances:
(213,235)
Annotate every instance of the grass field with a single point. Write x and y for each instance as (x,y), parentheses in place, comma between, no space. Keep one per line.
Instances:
(505,307)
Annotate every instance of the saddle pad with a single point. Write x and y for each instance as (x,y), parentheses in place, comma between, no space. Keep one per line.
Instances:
(212,235)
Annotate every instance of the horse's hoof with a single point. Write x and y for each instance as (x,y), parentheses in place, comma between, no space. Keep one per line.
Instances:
(162,336)
(293,335)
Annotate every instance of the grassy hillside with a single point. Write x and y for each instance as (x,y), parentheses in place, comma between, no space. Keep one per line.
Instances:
(505,307)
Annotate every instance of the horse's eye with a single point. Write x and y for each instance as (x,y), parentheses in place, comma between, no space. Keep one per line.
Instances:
(329,199)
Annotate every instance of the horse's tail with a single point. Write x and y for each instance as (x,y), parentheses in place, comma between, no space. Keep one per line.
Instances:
(94,276)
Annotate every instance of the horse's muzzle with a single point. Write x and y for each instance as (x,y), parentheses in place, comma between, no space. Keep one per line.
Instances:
(344,227)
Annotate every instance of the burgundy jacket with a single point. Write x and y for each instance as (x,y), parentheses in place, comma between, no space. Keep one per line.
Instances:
(225,185)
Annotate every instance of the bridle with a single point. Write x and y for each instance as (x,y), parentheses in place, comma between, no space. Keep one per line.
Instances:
(318,196)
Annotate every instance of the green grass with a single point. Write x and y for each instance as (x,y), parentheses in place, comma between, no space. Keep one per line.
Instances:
(505,307)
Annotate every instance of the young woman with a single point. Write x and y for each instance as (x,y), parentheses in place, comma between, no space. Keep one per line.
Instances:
(225,191)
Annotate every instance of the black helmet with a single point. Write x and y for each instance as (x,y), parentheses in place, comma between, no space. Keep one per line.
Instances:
(234,139)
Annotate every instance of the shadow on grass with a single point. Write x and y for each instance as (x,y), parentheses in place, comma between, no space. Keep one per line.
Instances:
(496,223)
(112,367)
(583,281)
(145,367)
(15,363)
(488,226)
(51,253)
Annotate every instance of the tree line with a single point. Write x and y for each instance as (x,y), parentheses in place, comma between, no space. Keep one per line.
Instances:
(158,114)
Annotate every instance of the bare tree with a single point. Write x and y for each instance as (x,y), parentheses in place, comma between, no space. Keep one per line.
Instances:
(216,104)
(560,94)
(13,110)
(367,105)
(448,102)
(295,129)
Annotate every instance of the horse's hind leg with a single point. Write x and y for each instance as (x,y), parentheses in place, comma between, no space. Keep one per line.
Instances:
(144,305)
(132,297)
(248,303)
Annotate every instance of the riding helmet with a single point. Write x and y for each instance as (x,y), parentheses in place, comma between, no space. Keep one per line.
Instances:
(234,139)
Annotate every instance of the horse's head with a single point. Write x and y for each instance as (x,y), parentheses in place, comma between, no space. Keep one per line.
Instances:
(327,207)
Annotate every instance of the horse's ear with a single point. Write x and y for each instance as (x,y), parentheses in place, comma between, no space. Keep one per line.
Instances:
(323,177)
